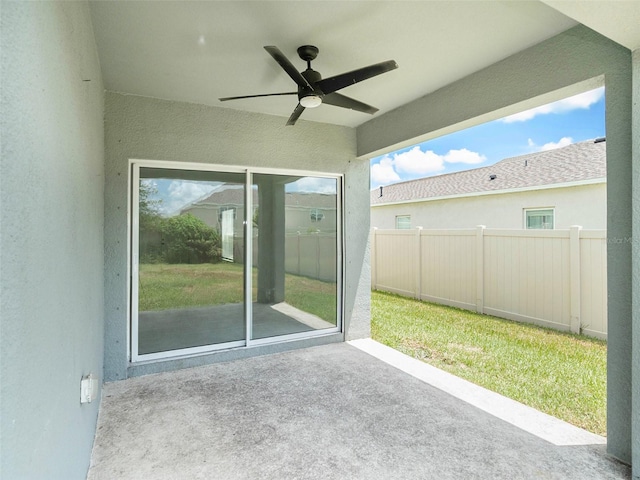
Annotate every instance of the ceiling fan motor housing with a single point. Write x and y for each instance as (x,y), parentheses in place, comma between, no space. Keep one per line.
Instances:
(312,96)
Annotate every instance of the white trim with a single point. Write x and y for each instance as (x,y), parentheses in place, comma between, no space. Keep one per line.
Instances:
(187,352)
(294,336)
(173,165)
(248,258)
(130,243)
(215,167)
(340,261)
(134,260)
(594,181)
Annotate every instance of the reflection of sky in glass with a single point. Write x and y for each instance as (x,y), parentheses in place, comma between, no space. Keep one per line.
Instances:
(176,194)
(313,185)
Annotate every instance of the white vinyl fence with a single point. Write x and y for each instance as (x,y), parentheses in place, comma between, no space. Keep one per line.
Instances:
(553,278)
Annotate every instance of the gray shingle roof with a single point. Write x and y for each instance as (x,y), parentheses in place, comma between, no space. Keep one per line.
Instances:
(574,163)
(234,195)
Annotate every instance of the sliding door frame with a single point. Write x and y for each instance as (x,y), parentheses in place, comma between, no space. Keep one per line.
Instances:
(133,258)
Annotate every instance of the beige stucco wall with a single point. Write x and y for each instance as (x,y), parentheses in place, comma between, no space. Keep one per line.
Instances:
(584,205)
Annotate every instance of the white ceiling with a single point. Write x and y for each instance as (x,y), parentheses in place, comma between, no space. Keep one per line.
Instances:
(200,51)
(617,20)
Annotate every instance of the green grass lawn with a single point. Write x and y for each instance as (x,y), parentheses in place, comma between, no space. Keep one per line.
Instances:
(561,374)
(164,286)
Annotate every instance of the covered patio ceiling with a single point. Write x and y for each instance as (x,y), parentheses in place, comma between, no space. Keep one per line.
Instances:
(200,51)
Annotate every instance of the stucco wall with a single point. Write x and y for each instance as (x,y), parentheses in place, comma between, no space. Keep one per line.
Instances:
(145,128)
(51,240)
(584,205)
(566,64)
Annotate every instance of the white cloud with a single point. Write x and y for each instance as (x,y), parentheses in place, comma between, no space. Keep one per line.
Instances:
(183,192)
(313,185)
(149,182)
(582,101)
(383,173)
(563,142)
(464,156)
(417,162)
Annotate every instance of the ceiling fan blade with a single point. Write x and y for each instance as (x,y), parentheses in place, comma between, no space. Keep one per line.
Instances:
(287,66)
(339,100)
(255,96)
(295,115)
(332,84)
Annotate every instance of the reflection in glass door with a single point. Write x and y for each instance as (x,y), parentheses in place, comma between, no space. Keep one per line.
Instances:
(186,295)
(231,259)
(295,254)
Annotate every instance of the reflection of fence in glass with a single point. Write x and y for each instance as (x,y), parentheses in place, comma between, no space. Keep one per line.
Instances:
(311,255)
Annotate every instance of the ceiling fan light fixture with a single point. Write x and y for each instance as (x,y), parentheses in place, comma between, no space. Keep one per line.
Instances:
(311,101)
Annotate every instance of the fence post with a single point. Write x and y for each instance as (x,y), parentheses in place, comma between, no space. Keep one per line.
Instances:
(374,272)
(418,264)
(298,250)
(480,268)
(317,234)
(574,275)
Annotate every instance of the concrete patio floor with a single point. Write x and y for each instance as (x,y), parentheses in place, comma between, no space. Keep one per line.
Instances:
(355,410)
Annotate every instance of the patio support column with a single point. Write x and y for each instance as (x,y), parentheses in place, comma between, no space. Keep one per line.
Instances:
(619,257)
(270,240)
(634,240)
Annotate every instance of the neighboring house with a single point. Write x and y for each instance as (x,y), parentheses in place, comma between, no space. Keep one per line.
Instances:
(80,108)
(551,189)
(305,212)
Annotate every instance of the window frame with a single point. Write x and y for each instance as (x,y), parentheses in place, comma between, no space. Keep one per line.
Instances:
(526,214)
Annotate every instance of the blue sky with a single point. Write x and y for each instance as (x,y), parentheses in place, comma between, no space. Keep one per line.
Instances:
(554,125)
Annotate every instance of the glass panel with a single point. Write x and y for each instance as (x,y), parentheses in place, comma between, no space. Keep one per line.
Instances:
(191,279)
(539,219)
(295,254)
(403,222)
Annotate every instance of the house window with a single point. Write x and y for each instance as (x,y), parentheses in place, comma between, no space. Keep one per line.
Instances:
(199,285)
(224,209)
(316,215)
(403,222)
(539,219)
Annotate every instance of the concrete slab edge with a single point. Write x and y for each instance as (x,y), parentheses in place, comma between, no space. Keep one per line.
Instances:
(542,425)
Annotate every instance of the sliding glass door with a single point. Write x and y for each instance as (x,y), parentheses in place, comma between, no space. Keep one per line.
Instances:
(295,255)
(187,294)
(225,259)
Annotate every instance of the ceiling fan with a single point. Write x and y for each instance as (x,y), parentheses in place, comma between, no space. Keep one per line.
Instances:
(313,90)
